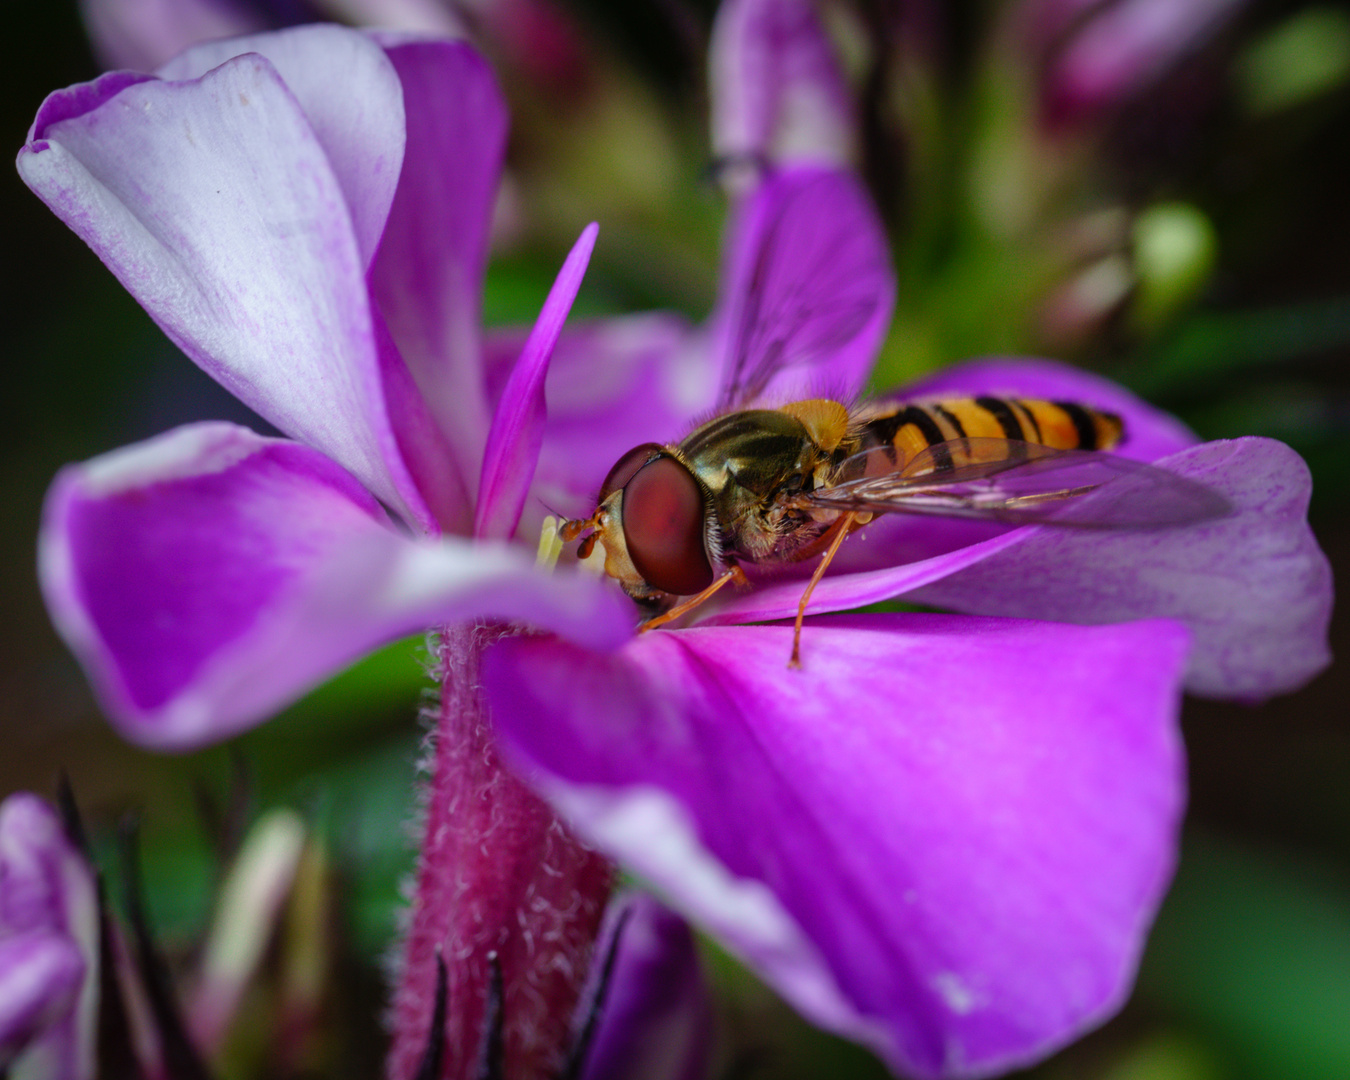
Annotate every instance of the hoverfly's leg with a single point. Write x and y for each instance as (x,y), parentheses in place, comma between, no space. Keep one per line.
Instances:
(841,528)
(735,574)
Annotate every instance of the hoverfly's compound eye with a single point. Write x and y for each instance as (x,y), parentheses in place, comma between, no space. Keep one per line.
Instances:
(627,465)
(663,516)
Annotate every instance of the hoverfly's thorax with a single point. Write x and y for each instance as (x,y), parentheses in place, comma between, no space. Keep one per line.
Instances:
(750,462)
(747,450)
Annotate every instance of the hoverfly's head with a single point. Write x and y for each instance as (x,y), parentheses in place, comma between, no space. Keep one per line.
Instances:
(654,520)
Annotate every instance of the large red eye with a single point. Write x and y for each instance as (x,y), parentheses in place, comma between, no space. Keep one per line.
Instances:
(663,527)
(627,465)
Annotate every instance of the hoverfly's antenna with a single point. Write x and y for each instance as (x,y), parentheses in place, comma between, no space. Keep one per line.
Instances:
(555,512)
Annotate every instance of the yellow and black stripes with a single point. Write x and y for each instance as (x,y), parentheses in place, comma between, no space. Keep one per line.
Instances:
(911,429)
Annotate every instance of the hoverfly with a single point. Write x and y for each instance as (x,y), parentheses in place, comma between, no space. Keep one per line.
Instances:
(767,486)
(776,486)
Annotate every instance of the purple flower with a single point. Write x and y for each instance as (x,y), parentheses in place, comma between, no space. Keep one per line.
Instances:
(48,947)
(972,818)
(944,838)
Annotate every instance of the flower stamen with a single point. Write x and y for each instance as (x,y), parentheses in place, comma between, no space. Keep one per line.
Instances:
(550,544)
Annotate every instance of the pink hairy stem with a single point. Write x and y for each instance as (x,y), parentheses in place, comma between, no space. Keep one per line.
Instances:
(497,873)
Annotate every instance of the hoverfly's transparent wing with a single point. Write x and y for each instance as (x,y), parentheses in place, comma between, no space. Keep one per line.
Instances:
(1021,483)
(809,290)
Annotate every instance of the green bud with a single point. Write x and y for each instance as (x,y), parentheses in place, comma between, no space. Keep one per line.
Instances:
(1175,247)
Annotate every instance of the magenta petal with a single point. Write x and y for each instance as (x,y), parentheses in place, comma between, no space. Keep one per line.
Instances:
(1149,433)
(778,95)
(840,592)
(428,277)
(209,576)
(655,1019)
(349,92)
(216,205)
(944,837)
(807,291)
(422,446)
(1254,587)
(517,431)
(612,384)
(1044,23)
(158,558)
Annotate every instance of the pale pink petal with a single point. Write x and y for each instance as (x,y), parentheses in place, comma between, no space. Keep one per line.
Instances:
(215,204)
(423,17)
(40,978)
(49,947)
(351,95)
(1253,587)
(1118,51)
(142,34)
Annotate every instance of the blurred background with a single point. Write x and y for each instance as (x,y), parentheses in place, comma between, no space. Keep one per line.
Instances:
(1181,226)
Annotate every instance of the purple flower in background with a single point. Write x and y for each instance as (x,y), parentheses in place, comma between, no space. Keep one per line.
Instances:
(1097,56)
(48,947)
(944,838)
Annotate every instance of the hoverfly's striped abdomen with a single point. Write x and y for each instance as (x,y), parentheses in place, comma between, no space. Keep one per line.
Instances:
(1062,425)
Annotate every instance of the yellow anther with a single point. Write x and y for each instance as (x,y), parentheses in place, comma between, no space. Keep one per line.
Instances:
(550,544)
